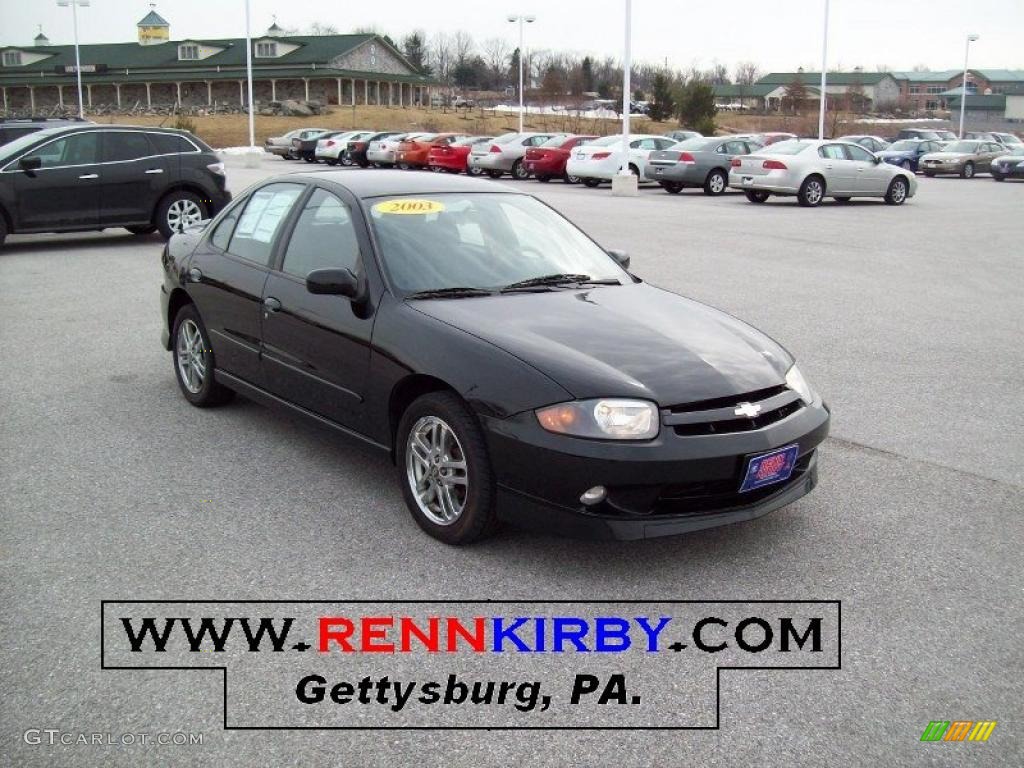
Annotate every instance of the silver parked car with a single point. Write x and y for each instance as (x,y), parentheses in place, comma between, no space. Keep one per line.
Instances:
(869,142)
(505,154)
(701,162)
(813,170)
(384,152)
(964,158)
(282,145)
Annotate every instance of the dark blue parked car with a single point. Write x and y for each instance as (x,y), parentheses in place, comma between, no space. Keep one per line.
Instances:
(907,152)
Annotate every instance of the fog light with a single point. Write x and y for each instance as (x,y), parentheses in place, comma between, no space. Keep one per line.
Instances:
(594,495)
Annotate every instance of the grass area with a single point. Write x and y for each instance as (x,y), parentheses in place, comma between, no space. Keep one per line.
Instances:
(233,130)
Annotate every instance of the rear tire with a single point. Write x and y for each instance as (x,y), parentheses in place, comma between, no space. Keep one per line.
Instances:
(519,172)
(812,192)
(590,182)
(494,174)
(930,174)
(998,177)
(672,187)
(439,440)
(177,211)
(716,183)
(543,179)
(194,363)
(570,179)
(756,195)
(897,192)
(967,172)
(472,170)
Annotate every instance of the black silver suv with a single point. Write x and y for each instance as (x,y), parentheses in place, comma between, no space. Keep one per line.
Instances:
(90,177)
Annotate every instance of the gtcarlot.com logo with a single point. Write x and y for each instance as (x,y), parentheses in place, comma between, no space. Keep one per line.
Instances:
(958,730)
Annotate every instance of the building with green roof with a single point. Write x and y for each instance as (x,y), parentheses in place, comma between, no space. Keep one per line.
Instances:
(332,69)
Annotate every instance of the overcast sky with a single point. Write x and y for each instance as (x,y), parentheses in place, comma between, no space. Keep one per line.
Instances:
(778,36)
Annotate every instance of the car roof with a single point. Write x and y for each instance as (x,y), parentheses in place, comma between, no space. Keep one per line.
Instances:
(370,183)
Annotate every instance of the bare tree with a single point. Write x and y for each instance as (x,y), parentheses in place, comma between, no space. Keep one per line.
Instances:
(441,57)
(461,46)
(496,52)
(747,73)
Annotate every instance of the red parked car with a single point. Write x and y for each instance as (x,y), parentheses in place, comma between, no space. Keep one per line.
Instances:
(412,153)
(452,157)
(548,160)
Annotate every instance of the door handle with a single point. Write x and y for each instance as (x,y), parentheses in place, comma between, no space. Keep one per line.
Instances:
(195,275)
(828,167)
(155,170)
(271,304)
(90,176)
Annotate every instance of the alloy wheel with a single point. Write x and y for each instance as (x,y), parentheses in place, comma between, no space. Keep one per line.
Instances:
(813,192)
(436,470)
(191,354)
(182,214)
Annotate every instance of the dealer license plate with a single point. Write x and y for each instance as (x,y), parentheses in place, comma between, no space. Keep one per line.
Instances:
(769,468)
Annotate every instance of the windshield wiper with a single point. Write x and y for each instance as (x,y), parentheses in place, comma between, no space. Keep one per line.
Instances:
(458,292)
(555,280)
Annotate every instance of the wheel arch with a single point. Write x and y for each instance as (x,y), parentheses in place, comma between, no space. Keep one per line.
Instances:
(7,219)
(179,298)
(403,394)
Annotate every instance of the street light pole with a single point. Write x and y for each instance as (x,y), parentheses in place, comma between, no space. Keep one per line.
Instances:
(248,71)
(626,85)
(824,77)
(963,91)
(528,20)
(78,59)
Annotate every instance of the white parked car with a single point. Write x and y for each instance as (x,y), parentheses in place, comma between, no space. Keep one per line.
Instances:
(813,170)
(384,151)
(601,159)
(331,150)
(504,154)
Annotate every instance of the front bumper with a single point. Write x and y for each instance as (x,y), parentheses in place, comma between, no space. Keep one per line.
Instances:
(669,485)
(491,161)
(952,167)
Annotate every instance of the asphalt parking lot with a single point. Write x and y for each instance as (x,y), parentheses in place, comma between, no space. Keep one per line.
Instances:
(906,318)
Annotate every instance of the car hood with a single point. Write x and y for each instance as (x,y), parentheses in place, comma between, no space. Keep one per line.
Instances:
(616,341)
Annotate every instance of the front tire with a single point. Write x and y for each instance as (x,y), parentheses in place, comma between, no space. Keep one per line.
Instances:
(998,177)
(444,469)
(543,179)
(756,195)
(570,179)
(178,211)
(967,172)
(897,192)
(812,192)
(194,361)
(472,170)
(590,182)
(716,183)
(494,174)
(143,229)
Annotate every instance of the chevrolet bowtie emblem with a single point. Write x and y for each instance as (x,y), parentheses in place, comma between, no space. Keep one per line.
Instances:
(750,410)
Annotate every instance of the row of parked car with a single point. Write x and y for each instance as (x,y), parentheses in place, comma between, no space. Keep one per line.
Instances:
(679,160)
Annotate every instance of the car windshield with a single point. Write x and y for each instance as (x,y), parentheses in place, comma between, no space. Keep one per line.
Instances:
(481,241)
(468,141)
(696,144)
(789,147)
(17,146)
(961,146)
(505,138)
(606,141)
(1015,150)
(904,146)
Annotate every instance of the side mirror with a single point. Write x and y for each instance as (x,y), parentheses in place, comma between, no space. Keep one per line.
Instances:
(31,163)
(333,282)
(621,258)
(878,160)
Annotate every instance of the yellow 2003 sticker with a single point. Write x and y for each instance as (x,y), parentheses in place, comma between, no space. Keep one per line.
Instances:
(409,206)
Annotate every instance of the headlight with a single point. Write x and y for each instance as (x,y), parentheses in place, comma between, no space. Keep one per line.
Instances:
(612,419)
(796,381)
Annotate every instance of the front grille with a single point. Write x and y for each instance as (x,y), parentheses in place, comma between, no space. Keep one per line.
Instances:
(699,498)
(718,415)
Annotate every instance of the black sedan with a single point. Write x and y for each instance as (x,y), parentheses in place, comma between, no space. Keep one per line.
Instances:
(511,367)
(356,150)
(1009,165)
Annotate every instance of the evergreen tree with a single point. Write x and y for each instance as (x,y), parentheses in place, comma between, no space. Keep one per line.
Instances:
(587,74)
(663,105)
(696,107)
(415,51)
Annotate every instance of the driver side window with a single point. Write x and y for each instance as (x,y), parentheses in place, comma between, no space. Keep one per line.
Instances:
(78,149)
(324,237)
(857,152)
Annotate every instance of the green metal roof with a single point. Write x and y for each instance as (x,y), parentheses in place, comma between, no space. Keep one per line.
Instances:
(928,77)
(153,19)
(1001,75)
(991,101)
(834,78)
(131,62)
(743,91)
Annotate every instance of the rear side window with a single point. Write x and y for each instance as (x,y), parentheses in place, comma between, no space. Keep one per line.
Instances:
(170,144)
(259,223)
(122,146)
